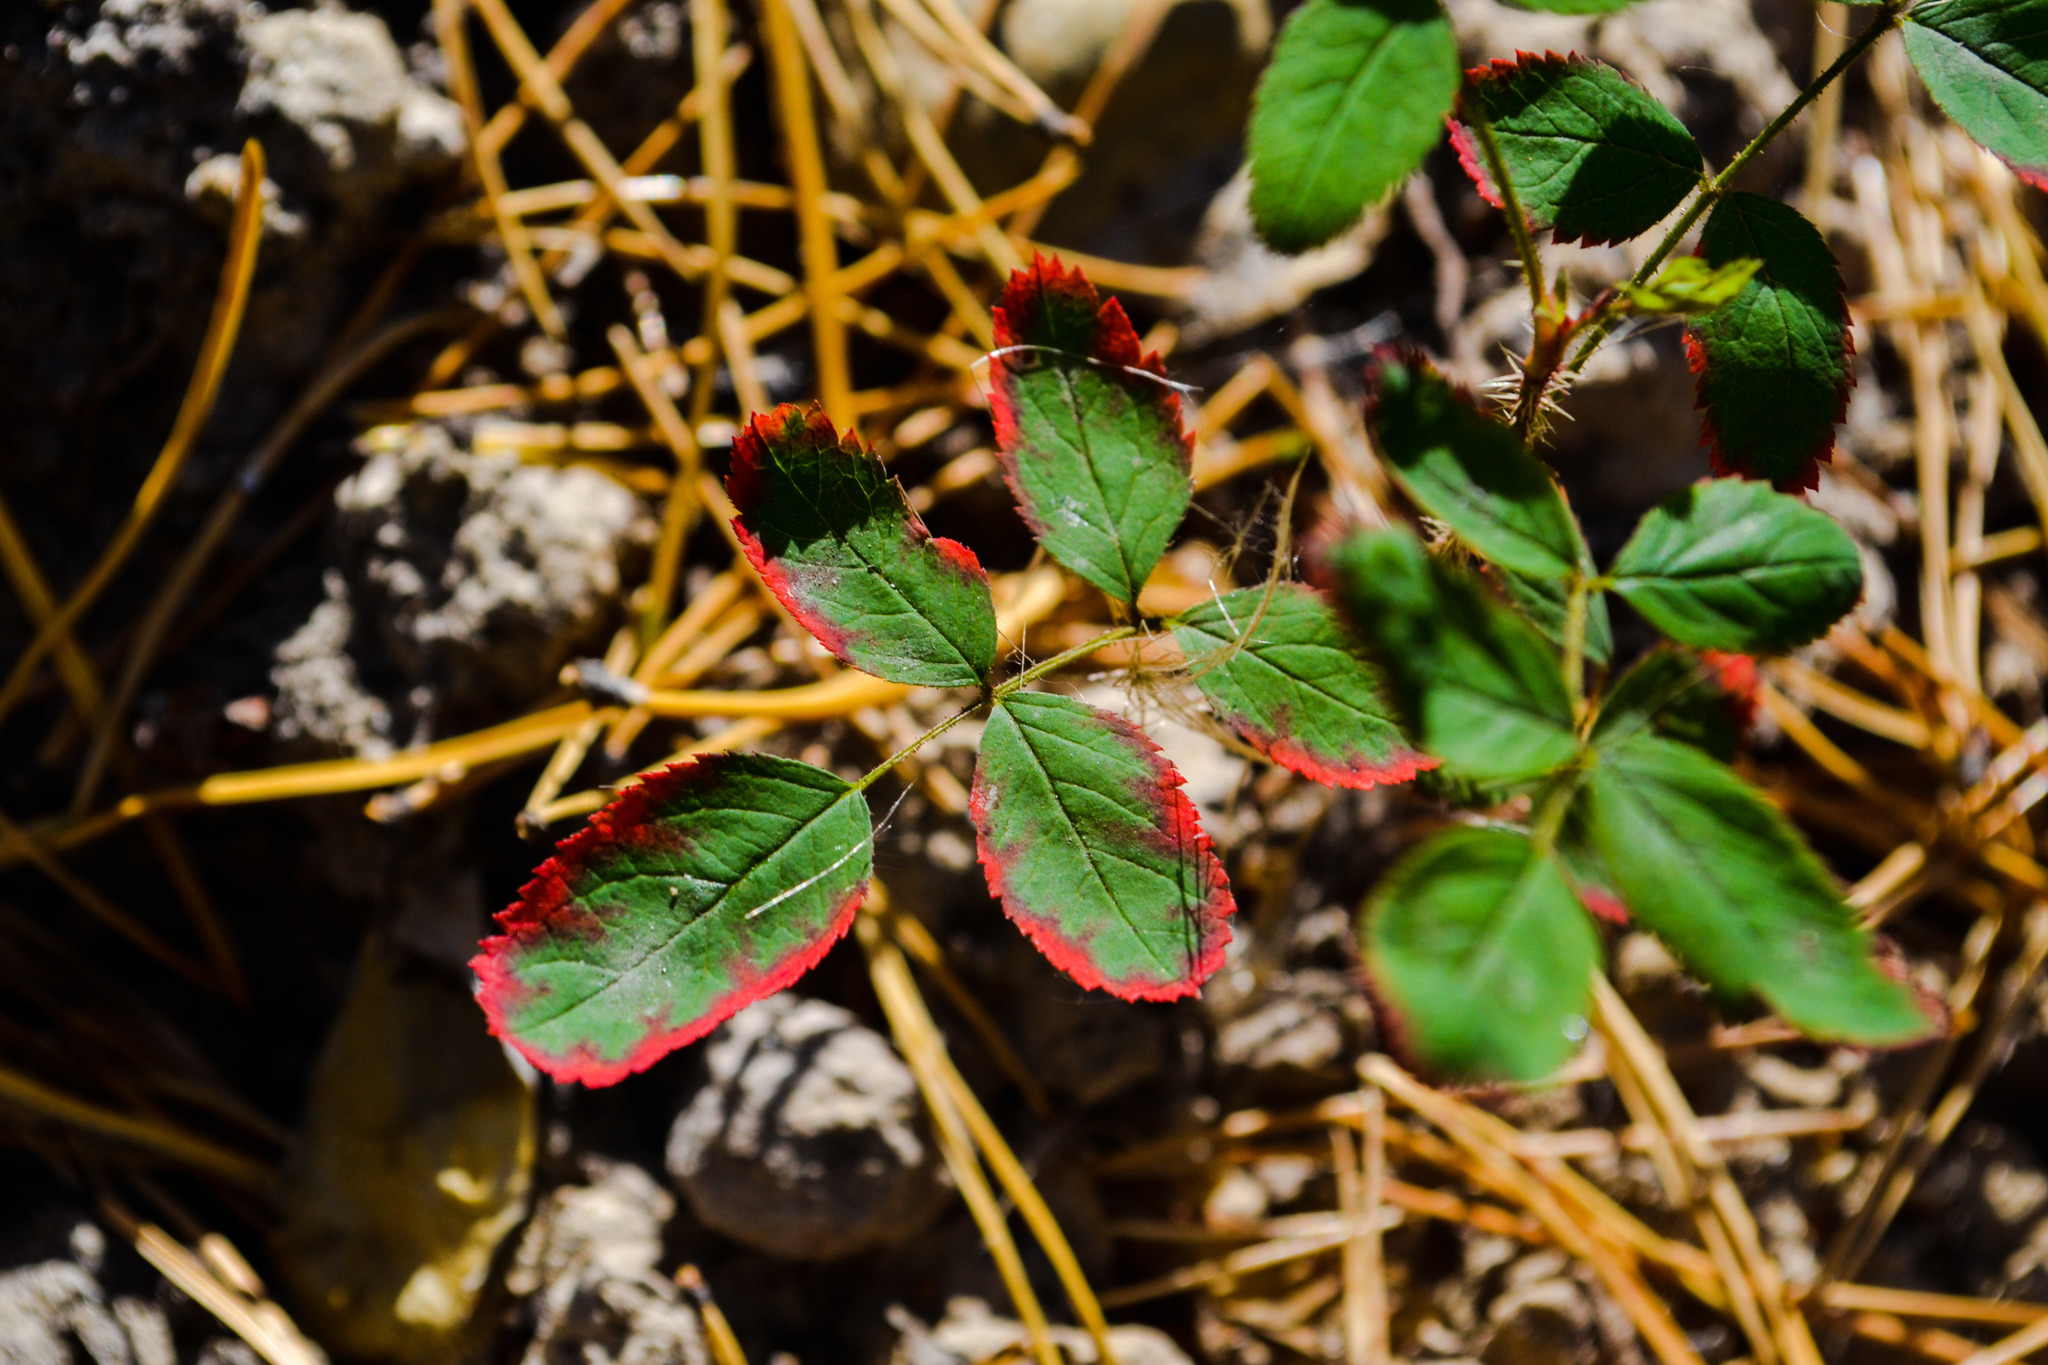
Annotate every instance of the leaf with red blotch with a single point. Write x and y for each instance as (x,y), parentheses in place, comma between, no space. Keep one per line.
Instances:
(837,541)
(1094,850)
(1591,154)
(1773,363)
(1288,675)
(1090,432)
(700,890)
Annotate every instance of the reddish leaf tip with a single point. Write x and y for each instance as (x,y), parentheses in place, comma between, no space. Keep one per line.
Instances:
(775,577)
(545,906)
(1602,904)
(1473,163)
(497,992)
(1741,687)
(1355,772)
(1180,828)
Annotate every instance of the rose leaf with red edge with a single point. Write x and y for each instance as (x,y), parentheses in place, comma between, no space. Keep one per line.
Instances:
(1094,850)
(1089,431)
(700,890)
(1773,363)
(1288,675)
(836,540)
(1591,155)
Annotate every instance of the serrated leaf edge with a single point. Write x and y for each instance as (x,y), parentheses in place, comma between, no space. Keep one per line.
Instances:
(1116,345)
(1807,476)
(742,484)
(1183,825)
(545,904)
(1502,69)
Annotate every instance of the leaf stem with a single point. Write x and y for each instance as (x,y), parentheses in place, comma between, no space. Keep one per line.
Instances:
(874,774)
(1575,645)
(1511,207)
(1001,690)
(1711,193)
(1061,660)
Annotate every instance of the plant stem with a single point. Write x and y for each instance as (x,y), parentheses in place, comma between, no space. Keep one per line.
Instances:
(1549,817)
(1029,675)
(1575,645)
(1511,207)
(1711,193)
(874,774)
(1061,660)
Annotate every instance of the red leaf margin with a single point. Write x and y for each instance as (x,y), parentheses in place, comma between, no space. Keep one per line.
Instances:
(1023,318)
(1805,476)
(1181,825)
(1501,70)
(744,485)
(546,906)
(1357,774)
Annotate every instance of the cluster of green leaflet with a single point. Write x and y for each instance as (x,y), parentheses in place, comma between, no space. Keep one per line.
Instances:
(1580,790)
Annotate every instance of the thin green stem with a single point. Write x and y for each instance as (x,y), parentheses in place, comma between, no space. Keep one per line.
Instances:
(1511,206)
(1575,645)
(1710,194)
(1550,814)
(874,774)
(1061,660)
(1029,675)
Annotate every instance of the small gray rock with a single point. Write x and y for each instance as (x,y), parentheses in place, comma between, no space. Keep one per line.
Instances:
(808,1142)
(588,1259)
(462,583)
(56,1313)
(970,1334)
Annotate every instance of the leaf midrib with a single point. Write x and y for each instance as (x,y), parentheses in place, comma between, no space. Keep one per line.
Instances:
(1088,852)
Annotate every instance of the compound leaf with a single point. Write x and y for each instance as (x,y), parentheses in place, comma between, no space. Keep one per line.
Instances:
(1592,156)
(1480,947)
(1471,472)
(1090,433)
(1735,566)
(1706,865)
(1289,676)
(1094,850)
(698,891)
(1986,62)
(1773,362)
(1353,99)
(837,542)
(1480,687)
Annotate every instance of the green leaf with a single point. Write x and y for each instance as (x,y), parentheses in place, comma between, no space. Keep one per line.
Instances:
(1094,850)
(1289,676)
(1547,602)
(1471,471)
(1592,156)
(697,892)
(1773,362)
(1484,954)
(1353,99)
(837,542)
(1986,62)
(1727,565)
(1481,687)
(1675,693)
(1688,286)
(1707,866)
(1089,431)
